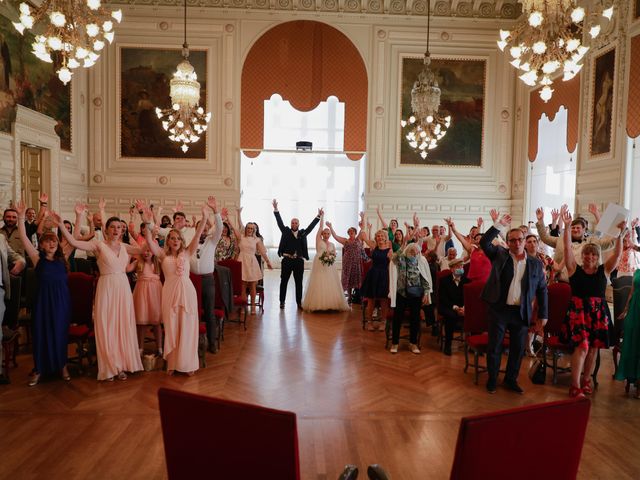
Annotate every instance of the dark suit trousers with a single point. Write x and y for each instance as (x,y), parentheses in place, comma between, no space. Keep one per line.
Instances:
(288,266)
(402,303)
(501,320)
(208,304)
(450,323)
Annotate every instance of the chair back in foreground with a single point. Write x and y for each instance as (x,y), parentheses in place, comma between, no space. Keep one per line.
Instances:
(559,297)
(517,443)
(476,310)
(207,437)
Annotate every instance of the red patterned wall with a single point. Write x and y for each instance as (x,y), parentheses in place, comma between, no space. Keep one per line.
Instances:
(633,101)
(566,94)
(305,62)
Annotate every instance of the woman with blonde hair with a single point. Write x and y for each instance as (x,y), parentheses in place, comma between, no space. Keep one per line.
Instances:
(375,286)
(179,297)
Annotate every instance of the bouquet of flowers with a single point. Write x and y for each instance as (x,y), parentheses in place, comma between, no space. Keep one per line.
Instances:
(327,258)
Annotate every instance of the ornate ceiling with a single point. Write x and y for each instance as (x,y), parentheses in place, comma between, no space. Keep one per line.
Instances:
(506,9)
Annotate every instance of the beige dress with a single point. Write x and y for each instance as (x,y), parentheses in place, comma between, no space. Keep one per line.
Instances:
(114,315)
(250,268)
(180,315)
(147,297)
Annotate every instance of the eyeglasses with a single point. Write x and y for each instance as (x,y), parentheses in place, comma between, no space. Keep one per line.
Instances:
(516,240)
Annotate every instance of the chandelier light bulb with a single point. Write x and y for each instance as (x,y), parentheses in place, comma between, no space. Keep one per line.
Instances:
(27,21)
(93,4)
(64,74)
(515,52)
(93,29)
(107,26)
(81,52)
(58,19)
(73,63)
(24,9)
(535,19)
(55,43)
(19,27)
(572,45)
(109,36)
(504,35)
(577,15)
(551,66)
(608,13)
(539,47)
(184,147)
(594,31)
(98,45)
(545,93)
(502,45)
(117,15)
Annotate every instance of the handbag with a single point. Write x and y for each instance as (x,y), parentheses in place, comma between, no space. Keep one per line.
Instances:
(415,291)
(538,372)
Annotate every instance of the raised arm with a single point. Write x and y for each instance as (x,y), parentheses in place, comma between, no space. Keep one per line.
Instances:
(339,239)
(240,224)
(614,258)
(466,244)
(313,223)
(22,231)
(384,224)
(486,242)
(569,258)
(147,217)
(101,205)
(217,226)
(81,244)
(193,246)
(276,213)
(42,211)
(542,229)
(593,210)
(319,232)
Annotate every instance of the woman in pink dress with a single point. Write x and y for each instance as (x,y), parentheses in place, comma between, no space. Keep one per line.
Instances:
(147,299)
(114,319)
(179,297)
(251,272)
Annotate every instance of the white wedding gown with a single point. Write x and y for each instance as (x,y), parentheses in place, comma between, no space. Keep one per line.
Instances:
(324,289)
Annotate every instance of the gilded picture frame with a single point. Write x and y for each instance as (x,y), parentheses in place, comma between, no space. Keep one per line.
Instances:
(144,74)
(463,85)
(602,102)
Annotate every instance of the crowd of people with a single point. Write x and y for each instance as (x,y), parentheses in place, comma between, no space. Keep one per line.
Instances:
(387,269)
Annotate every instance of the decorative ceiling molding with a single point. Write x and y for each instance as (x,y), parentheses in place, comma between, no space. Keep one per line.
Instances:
(497,9)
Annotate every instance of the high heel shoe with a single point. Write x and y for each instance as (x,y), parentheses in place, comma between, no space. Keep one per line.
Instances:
(575,392)
(34,380)
(65,375)
(586,386)
(122,376)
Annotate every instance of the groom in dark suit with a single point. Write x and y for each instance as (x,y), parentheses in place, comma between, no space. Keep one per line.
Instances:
(516,279)
(293,250)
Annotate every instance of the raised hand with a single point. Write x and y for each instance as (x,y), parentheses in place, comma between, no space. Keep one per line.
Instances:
(494,215)
(147,215)
(205,212)
(224,213)
(320,212)
(328,224)
(20,209)
(212,203)
(55,217)
(140,204)
(566,216)
(102,203)
(480,222)
(555,215)
(44,198)
(275,204)
(505,220)
(540,214)
(635,222)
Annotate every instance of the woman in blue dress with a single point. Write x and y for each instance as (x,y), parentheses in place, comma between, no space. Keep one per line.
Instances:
(52,307)
(375,286)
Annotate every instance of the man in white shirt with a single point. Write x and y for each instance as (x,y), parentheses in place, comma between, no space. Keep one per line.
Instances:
(180,224)
(515,280)
(203,264)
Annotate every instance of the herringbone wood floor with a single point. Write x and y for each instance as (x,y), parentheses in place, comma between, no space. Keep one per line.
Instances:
(355,402)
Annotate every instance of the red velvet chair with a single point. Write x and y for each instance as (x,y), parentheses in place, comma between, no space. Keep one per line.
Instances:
(559,297)
(81,289)
(476,325)
(527,443)
(236,279)
(218,313)
(208,437)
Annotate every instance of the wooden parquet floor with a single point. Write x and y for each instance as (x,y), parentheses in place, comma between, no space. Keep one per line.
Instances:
(355,402)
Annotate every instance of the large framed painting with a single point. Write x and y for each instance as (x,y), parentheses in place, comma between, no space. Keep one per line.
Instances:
(637,9)
(28,81)
(462,82)
(602,102)
(145,74)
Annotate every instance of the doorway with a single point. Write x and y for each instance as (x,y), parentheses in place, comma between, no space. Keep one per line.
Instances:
(34,174)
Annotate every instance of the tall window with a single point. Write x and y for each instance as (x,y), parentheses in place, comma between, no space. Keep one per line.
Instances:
(302,182)
(553,176)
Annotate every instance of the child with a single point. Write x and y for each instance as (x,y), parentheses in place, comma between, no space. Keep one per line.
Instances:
(52,309)
(147,299)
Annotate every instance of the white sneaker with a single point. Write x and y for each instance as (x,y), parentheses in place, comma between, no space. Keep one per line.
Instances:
(414,348)
(394,348)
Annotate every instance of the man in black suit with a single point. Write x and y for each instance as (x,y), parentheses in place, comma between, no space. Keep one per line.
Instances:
(451,300)
(515,280)
(293,250)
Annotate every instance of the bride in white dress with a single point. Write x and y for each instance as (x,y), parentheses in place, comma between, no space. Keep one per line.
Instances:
(324,290)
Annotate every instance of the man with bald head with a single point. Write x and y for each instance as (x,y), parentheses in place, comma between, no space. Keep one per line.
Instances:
(293,250)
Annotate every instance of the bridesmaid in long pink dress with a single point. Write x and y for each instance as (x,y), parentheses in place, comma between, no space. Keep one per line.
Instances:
(113,313)
(179,297)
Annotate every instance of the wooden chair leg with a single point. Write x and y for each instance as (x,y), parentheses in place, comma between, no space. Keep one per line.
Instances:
(466,357)
(555,368)
(475,356)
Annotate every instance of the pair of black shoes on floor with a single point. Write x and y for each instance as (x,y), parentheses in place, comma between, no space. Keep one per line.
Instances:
(374,472)
(508,384)
(282,306)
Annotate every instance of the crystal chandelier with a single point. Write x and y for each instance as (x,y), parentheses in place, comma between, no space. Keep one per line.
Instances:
(553,37)
(184,120)
(76,30)
(426,125)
